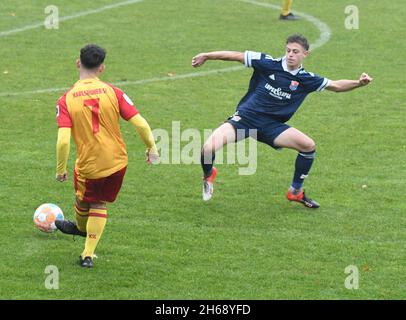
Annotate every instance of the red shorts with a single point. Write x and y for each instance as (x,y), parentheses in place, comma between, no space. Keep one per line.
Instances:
(99,190)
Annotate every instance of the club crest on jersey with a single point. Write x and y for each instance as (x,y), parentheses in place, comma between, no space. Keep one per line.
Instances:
(293,85)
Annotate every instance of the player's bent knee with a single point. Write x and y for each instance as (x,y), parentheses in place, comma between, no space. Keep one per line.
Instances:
(308,146)
(82,204)
(208,149)
(98,205)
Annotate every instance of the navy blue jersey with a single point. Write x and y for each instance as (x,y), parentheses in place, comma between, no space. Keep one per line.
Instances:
(274,90)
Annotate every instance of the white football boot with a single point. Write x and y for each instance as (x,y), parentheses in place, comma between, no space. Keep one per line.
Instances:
(208,185)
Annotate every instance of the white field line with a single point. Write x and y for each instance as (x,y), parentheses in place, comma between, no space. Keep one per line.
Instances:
(66,18)
(325,32)
(133,83)
(324,37)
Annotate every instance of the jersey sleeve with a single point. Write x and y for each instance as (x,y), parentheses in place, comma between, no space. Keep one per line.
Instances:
(62,115)
(259,61)
(127,107)
(314,82)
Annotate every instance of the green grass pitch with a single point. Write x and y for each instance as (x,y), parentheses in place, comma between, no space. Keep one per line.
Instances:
(161,240)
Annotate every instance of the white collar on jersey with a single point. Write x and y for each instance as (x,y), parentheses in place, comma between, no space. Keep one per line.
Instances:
(285,67)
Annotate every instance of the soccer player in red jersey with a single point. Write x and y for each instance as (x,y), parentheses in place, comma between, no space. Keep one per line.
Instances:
(90,112)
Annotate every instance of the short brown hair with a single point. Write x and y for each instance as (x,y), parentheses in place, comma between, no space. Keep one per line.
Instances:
(298,38)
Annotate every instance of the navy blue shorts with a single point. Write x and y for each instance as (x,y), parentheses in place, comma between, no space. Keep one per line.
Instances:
(248,124)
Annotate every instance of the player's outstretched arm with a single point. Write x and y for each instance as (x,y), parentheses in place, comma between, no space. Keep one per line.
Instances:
(201,58)
(347,85)
(62,153)
(144,131)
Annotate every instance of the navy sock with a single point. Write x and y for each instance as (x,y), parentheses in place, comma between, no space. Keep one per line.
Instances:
(207,163)
(304,161)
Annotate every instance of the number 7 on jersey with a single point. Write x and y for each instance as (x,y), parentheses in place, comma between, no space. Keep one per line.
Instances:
(94,104)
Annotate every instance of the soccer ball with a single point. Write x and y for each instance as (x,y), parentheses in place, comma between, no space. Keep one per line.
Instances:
(46,215)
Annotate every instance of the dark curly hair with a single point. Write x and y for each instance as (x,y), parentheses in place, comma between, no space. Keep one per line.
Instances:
(92,56)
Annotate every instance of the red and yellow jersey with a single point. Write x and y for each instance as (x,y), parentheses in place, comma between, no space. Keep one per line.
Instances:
(92,109)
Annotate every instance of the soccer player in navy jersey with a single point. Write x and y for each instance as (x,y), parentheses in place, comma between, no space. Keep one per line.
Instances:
(276,90)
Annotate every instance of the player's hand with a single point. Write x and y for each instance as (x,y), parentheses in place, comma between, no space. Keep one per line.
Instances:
(152,156)
(61,177)
(365,79)
(198,60)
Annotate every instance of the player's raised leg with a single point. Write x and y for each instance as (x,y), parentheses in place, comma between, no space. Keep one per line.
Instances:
(306,147)
(94,228)
(220,137)
(81,214)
